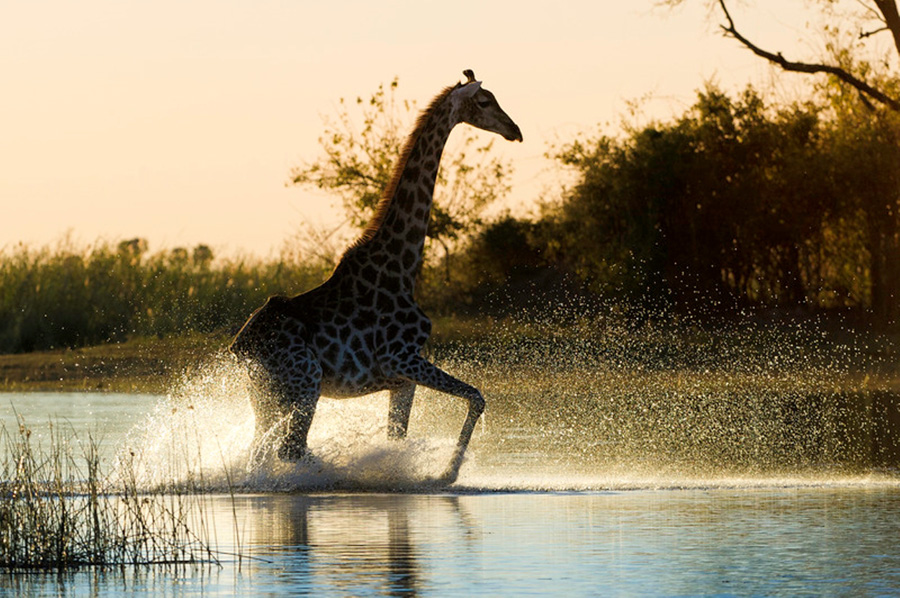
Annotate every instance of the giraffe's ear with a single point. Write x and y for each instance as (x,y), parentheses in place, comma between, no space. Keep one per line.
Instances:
(469,89)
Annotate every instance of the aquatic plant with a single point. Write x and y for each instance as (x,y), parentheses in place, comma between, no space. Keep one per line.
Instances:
(60,511)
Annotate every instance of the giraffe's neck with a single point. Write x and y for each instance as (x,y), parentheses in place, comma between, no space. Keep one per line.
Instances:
(396,241)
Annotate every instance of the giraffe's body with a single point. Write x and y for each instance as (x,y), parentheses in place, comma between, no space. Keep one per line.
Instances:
(361,331)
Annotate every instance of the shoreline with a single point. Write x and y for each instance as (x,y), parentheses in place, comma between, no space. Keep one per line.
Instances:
(144,365)
(153,364)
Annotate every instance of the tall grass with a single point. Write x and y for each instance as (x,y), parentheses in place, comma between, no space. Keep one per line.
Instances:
(71,296)
(58,511)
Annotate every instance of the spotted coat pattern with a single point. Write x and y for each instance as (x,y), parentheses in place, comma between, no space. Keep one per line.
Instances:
(361,331)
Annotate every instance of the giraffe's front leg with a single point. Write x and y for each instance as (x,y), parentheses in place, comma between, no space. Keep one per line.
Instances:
(418,370)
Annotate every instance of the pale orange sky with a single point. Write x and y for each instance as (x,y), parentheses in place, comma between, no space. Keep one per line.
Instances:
(180,121)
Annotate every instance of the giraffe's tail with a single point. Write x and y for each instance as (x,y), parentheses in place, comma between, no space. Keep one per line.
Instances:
(259,328)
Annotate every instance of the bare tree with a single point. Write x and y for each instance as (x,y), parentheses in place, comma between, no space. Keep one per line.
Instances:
(873,17)
(849,61)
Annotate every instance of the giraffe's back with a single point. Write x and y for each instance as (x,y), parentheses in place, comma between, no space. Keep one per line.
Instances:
(358,333)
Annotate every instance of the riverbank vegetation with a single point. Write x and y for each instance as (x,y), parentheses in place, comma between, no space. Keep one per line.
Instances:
(741,206)
(62,511)
(739,203)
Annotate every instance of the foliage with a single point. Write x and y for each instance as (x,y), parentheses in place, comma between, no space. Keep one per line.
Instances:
(358,162)
(504,260)
(71,296)
(866,152)
(507,247)
(735,203)
(864,70)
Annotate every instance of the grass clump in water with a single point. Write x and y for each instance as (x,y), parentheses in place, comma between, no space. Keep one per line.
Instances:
(59,511)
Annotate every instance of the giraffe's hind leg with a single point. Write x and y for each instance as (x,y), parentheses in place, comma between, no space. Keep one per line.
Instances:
(401,403)
(288,387)
(293,445)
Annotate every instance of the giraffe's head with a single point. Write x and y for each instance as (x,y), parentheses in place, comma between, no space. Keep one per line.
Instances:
(479,108)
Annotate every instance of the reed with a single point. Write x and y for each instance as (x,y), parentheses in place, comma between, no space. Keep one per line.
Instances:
(59,511)
(69,295)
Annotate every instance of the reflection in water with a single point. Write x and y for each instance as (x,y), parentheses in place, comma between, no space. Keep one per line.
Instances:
(788,541)
(352,543)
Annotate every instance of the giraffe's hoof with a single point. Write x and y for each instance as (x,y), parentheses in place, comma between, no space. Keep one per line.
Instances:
(290,452)
(396,435)
(448,477)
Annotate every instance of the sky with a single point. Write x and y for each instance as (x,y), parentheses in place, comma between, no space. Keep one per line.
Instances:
(179,121)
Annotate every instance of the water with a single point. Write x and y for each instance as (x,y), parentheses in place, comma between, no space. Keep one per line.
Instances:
(582,480)
(815,541)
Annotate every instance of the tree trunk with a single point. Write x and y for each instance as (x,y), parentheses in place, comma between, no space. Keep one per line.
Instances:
(884,272)
(890,309)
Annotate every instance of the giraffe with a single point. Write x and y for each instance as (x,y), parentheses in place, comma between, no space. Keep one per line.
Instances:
(361,331)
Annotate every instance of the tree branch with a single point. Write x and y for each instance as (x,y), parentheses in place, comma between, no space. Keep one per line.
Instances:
(805,67)
(865,34)
(888,10)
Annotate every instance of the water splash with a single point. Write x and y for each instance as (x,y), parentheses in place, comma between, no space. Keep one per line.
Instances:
(201,436)
(584,403)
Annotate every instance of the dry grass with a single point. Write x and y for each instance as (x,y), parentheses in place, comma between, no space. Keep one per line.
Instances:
(59,511)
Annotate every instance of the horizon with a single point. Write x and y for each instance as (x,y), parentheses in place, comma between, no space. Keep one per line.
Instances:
(179,123)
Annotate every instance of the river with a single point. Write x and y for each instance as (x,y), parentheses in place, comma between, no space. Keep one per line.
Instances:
(568,489)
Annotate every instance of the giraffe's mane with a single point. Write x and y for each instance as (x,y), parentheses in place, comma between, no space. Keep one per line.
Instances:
(400,166)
